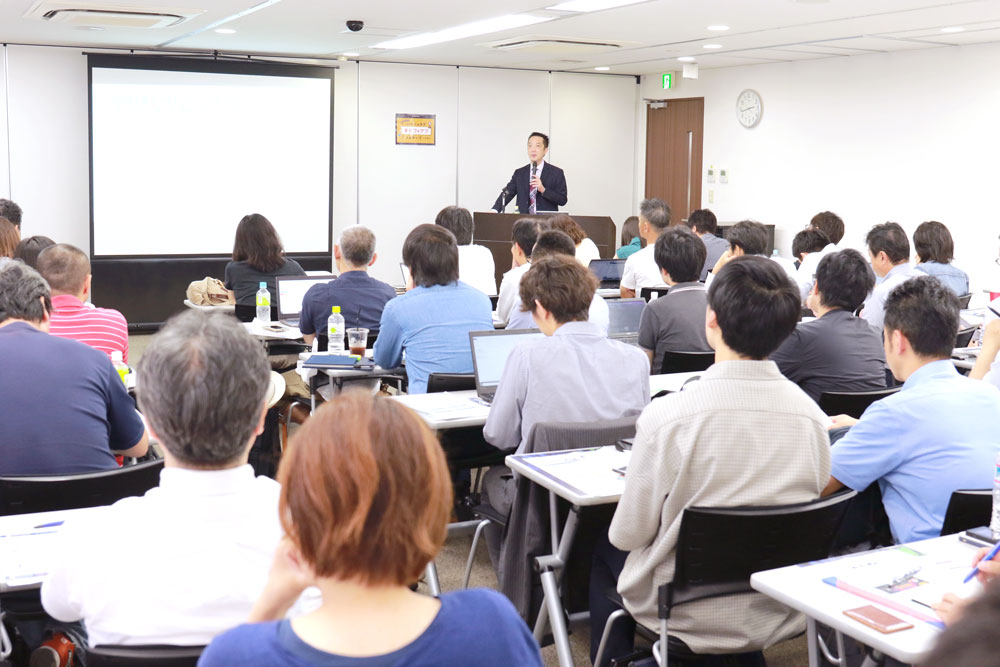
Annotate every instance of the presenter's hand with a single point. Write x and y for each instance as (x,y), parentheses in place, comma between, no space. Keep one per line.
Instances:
(536,182)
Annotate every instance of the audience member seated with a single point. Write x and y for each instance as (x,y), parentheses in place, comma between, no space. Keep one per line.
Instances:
(837,351)
(207,534)
(365,501)
(524,234)
(12,212)
(67,270)
(585,249)
(929,439)
(970,639)
(749,238)
(631,242)
(889,250)
(640,269)
(9,238)
(28,249)
(361,298)
(257,258)
(704,224)
(432,321)
(808,241)
(555,242)
(475,262)
(66,409)
(676,322)
(935,250)
(685,454)
(830,224)
(952,606)
(987,367)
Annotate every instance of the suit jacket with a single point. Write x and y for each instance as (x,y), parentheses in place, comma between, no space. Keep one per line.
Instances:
(553,180)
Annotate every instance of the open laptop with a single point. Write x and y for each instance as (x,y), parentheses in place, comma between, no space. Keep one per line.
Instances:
(490,350)
(291,291)
(624,315)
(608,272)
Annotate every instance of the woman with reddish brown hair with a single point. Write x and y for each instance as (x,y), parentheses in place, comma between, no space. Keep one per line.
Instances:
(9,238)
(365,502)
(586,250)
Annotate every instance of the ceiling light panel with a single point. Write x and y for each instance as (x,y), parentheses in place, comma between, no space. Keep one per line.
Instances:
(486,26)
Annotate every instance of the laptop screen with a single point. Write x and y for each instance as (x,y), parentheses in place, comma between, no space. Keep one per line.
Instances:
(291,291)
(608,270)
(624,316)
(490,350)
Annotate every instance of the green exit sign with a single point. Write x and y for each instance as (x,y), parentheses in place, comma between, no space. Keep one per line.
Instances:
(668,80)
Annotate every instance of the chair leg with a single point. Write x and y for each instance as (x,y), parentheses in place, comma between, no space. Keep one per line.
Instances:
(433,583)
(472,551)
(6,647)
(612,619)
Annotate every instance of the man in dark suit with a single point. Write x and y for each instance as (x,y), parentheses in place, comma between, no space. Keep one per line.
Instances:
(538,186)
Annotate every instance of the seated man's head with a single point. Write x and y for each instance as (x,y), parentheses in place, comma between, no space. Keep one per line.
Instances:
(557,290)
(355,251)
(203,389)
(24,296)
(933,243)
(458,221)
(921,319)
(28,249)
(654,217)
(365,492)
(808,240)
(524,234)
(747,238)
(12,212)
(887,247)
(703,221)
(553,242)
(843,282)
(431,254)
(752,307)
(830,224)
(680,255)
(66,269)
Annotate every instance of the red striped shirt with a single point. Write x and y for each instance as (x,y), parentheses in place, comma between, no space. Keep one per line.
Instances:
(102,328)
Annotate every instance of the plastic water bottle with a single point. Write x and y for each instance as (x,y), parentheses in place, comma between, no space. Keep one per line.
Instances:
(995,520)
(335,331)
(263,304)
(775,254)
(118,362)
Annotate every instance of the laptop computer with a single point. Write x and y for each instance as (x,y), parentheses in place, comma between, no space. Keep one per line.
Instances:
(608,272)
(490,350)
(624,315)
(291,291)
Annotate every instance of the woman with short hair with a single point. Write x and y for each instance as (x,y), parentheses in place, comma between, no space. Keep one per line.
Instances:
(935,250)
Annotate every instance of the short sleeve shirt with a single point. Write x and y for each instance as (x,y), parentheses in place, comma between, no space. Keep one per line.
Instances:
(361,299)
(675,323)
(641,271)
(245,280)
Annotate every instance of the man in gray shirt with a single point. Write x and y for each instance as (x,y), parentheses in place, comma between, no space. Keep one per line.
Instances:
(705,225)
(676,322)
(837,351)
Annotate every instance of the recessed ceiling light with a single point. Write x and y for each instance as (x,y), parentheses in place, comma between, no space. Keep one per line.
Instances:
(225,31)
(686,59)
(91,28)
(591,5)
(955,28)
(495,24)
(602,69)
(351,54)
(718,28)
(711,46)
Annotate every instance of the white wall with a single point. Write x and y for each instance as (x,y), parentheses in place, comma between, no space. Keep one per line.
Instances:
(4,173)
(907,137)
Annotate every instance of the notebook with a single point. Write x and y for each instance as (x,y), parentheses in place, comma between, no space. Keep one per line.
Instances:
(624,316)
(291,291)
(490,350)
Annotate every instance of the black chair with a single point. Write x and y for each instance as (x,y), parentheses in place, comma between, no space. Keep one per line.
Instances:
(139,656)
(46,493)
(963,301)
(964,337)
(851,403)
(248,313)
(805,312)
(768,538)
(968,508)
(647,292)
(686,362)
(438,382)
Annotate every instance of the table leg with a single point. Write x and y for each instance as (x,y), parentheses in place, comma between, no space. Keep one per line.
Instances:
(811,640)
(551,609)
(559,632)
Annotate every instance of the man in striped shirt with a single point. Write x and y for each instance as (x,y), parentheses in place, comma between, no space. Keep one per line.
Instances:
(67,270)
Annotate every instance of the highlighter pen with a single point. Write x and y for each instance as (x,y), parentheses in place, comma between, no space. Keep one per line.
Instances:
(989,556)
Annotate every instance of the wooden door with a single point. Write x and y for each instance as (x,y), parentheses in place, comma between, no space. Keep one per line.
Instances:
(674,137)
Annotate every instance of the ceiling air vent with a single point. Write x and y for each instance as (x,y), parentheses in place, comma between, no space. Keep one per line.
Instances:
(553,46)
(91,15)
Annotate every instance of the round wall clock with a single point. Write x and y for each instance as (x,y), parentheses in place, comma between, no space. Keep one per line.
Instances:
(748,108)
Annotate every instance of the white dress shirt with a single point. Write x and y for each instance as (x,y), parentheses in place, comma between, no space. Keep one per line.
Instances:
(641,271)
(806,274)
(510,285)
(476,268)
(586,251)
(179,565)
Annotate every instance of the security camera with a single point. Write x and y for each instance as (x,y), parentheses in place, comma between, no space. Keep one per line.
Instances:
(355,26)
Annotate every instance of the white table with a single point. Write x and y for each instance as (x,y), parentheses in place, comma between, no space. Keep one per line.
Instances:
(609,293)
(279,332)
(965,357)
(944,562)
(27,544)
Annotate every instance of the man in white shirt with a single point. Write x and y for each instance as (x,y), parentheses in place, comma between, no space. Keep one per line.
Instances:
(830,224)
(889,250)
(475,262)
(205,537)
(524,234)
(640,268)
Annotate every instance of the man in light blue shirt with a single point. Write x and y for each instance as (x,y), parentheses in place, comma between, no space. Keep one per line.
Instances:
(433,319)
(889,250)
(931,438)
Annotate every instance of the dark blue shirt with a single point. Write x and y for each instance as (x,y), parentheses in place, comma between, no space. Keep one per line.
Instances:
(361,299)
(244,280)
(474,628)
(64,405)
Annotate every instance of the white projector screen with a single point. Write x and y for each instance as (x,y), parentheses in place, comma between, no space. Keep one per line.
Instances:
(179,157)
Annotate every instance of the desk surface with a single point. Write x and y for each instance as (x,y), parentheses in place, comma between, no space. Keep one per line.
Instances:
(940,563)
(582,476)
(27,543)
(281,331)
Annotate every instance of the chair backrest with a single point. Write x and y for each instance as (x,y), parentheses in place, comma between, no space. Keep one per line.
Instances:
(46,493)
(968,508)
(964,337)
(554,436)
(963,301)
(245,313)
(437,382)
(852,403)
(647,292)
(686,362)
(718,548)
(151,656)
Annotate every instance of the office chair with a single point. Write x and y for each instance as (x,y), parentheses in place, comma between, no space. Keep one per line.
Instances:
(964,337)
(143,656)
(963,301)
(686,362)
(647,292)
(968,508)
(851,403)
(245,313)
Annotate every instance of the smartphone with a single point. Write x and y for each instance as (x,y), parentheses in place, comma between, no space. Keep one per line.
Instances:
(982,535)
(877,619)
(274,327)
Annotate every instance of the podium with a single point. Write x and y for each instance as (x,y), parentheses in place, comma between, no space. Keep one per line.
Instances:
(493,230)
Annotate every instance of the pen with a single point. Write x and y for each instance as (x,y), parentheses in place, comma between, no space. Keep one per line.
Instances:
(49,525)
(989,556)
